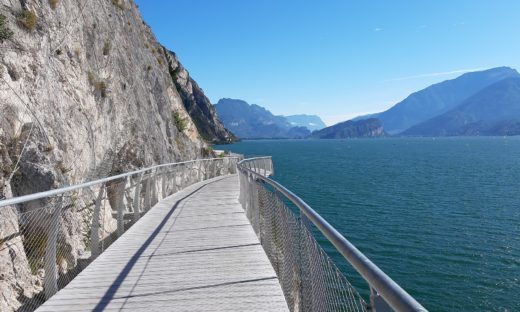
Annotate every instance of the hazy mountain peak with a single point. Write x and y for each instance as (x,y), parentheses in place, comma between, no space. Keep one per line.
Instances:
(495,110)
(439,98)
(252,121)
(311,122)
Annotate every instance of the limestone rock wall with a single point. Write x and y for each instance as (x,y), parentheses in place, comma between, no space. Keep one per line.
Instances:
(197,104)
(85,92)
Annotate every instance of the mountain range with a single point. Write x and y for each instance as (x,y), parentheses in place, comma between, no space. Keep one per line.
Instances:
(438,99)
(495,110)
(251,121)
(476,103)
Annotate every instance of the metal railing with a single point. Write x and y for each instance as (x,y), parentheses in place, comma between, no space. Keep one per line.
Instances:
(58,232)
(309,278)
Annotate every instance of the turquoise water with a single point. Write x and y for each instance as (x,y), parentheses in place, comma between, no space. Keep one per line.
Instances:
(440,216)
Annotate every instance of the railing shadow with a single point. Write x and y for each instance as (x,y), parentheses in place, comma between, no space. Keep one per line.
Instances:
(109,294)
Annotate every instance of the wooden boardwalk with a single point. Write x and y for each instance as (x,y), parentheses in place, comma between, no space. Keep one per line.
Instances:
(194,251)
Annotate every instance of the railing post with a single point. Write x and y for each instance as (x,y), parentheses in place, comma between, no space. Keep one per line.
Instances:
(154,189)
(173,176)
(254,206)
(148,193)
(202,171)
(120,202)
(164,184)
(248,195)
(51,273)
(94,230)
(377,303)
(137,198)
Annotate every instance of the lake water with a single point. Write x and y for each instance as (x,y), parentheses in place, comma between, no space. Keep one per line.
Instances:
(439,216)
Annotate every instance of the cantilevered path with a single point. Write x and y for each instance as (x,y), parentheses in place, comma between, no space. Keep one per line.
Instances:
(193,251)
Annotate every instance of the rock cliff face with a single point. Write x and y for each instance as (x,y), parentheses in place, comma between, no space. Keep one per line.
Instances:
(197,104)
(85,92)
(367,128)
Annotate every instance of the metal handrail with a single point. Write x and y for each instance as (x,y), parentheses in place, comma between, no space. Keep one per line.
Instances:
(392,293)
(147,176)
(67,189)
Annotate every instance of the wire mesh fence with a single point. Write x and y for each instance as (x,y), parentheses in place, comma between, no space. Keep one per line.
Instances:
(61,233)
(310,280)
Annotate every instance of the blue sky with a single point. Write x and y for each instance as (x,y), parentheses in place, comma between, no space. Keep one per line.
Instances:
(333,58)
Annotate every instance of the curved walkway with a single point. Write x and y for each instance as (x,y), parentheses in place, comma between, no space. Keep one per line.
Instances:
(193,251)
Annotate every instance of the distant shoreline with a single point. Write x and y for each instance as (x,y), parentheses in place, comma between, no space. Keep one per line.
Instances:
(378,138)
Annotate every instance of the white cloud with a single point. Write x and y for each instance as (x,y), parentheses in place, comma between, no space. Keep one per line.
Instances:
(428,75)
(378,29)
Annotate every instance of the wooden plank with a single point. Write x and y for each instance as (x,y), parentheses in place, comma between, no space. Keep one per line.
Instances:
(193,251)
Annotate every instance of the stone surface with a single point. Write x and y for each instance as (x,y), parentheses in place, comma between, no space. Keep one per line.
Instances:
(197,104)
(85,92)
(16,280)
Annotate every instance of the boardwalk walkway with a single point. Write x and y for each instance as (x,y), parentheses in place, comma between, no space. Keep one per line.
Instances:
(194,251)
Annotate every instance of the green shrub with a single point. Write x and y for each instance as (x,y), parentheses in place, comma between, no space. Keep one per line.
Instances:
(91,78)
(180,123)
(28,19)
(49,148)
(60,165)
(34,243)
(53,3)
(119,4)
(106,48)
(5,32)
(101,87)
(208,152)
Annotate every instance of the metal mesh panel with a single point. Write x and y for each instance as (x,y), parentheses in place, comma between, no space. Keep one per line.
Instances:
(60,235)
(308,277)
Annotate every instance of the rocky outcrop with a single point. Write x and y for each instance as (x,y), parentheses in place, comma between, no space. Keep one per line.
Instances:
(197,104)
(85,92)
(368,128)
